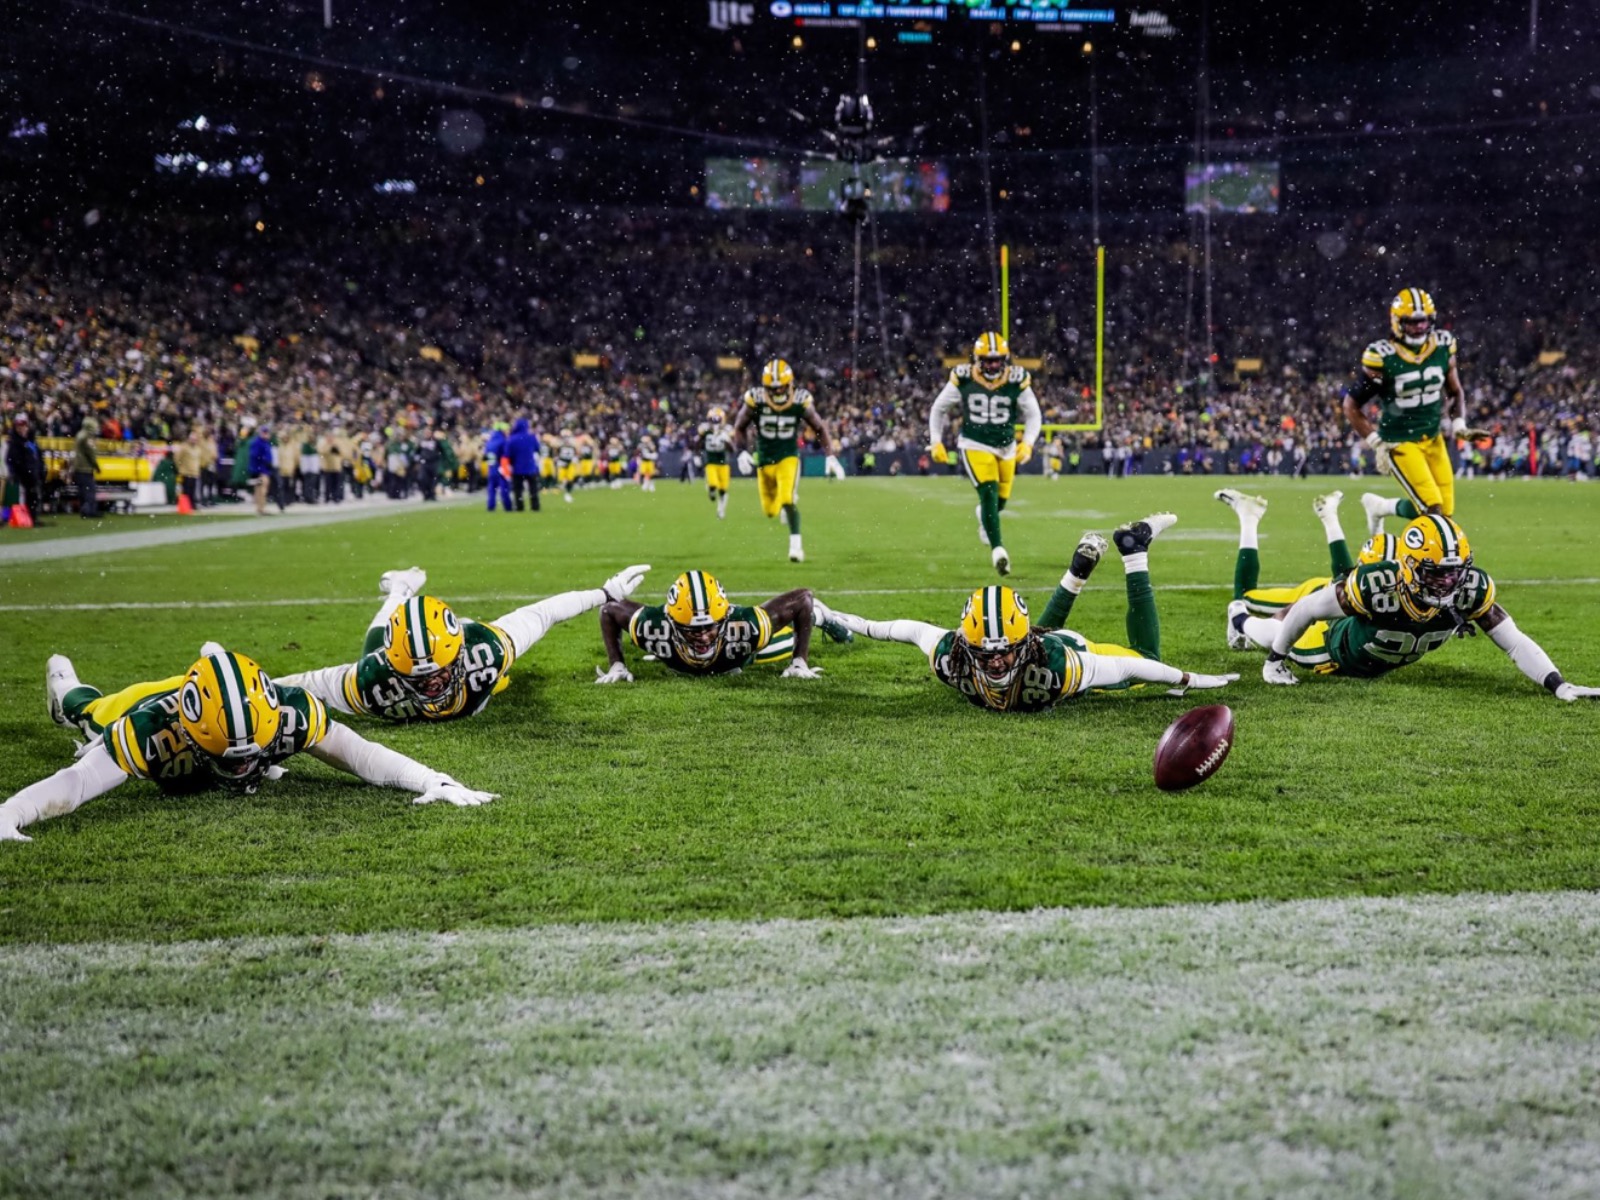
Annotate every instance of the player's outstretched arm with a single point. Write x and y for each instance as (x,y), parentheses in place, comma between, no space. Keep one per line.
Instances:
(326,684)
(795,608)
(95,774)
(920,634)
(1529,657)
(615,616)
(1032,422)
(528,624)
(1109,670)
(347,750)
(1324,604)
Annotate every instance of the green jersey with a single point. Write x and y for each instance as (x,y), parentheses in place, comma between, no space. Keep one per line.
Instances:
(989,415)
(373,687)
(717,439)
(1413,385)
(148,741)
(777,426)
(1385,629)
(746,632)
(1054,673)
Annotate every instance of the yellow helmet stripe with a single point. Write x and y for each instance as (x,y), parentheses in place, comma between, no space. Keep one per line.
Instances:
(233,706)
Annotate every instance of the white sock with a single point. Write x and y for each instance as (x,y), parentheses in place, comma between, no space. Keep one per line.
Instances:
(1249,531)
(1261,630)
(1332,528)
(1136,562)
(1388,508)
(1072,583)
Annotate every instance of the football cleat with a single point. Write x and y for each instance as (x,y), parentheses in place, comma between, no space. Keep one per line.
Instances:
(228,710)
(1411,315)
(402,583)
(60,677)
(1242,504)
(1086,555)
(1326,506)
(423,643)
(1238,610)
(1377,508)
(1434,559)
(697,609)
(797,551)
(983,534)
(1136,536)
(1001,560)
(822,616)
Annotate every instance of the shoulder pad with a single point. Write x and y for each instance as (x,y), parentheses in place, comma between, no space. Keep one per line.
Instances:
(1477,595)
(1018,375)
(750,398)
(1444,337)
(802,398)
(1374,354)
(962,371)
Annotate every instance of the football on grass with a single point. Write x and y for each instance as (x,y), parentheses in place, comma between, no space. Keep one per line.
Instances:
(1193,747)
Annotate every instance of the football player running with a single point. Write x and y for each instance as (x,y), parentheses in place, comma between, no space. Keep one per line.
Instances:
(1257,601)
(987,394)
(697,632)
(223,723)
(998,660)
(777,408)
(715,440)
(1388,614)
(421,662)
(1412,378)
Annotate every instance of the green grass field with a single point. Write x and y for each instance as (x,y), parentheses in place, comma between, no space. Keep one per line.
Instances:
(615,1009)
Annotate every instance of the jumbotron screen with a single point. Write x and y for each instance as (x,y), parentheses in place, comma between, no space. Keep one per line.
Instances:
(819,186)
(1032,12)
(1231,187)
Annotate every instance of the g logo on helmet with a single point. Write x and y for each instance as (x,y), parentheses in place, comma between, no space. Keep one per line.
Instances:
(451,625)
(1414,538)
(189,702)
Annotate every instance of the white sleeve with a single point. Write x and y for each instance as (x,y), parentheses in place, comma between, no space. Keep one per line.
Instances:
(346,749)
(1320,605)
(326,684)
(1531,660)
(95,774)
(1109,670)
(944,403)
(527,625)
(1032,418)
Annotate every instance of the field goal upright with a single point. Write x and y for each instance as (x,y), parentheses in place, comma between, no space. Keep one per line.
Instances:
(1099,336)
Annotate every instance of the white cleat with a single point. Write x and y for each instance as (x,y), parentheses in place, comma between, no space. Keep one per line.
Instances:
(983,534)
(408,582)
(797,552)
(1001,560)
(60,677)
(1377,508)
(1237,638)
(1242,504)
(1326,506)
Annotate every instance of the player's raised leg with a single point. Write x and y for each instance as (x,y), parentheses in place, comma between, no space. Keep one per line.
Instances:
(1133,543)
(1247,563)
(1086,556)
(1326,508)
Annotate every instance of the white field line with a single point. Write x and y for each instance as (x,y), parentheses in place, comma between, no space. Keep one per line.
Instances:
(1412,1047)
(504,597)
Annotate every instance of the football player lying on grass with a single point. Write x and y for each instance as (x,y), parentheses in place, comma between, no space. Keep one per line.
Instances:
(222,723)
(1270,601)
(422,662)
(1385,615)
(998,660)
(697,632)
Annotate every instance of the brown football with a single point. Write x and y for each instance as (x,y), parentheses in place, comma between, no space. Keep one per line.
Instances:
(1193,747)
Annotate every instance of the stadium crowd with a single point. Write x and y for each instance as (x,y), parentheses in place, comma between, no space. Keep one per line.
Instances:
(386,359)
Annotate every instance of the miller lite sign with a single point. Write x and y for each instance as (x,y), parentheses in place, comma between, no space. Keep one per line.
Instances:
(725,14)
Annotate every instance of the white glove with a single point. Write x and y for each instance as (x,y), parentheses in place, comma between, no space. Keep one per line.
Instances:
(798,670)
(625,582)
(276,773)
(1458,426)
(832,466)
(746,463)
(1202,683)
(1571,691)
(1381,460)
(452,792)
(9,831)
(1276,670)
(618,673)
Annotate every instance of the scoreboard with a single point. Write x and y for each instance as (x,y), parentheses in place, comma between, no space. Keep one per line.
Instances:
(1028,12)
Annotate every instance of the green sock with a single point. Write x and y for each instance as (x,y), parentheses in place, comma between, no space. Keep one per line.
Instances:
(1144,626)
(1408,511)
(1246,572)
(1339,557)
(792,511)
(1058,610)
(989,501)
